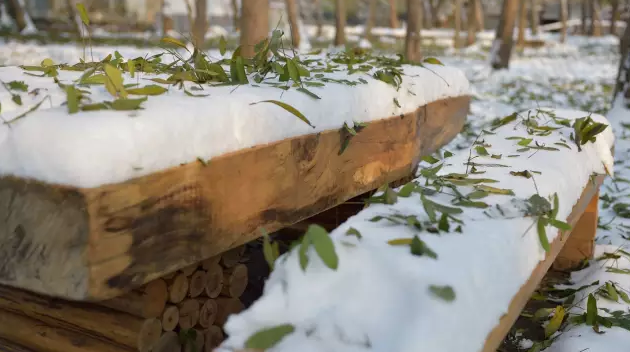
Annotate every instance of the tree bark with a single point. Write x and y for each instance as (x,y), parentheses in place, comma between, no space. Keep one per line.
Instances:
(371,19)
(200,24)
(522,23)
(319,17)
(413,39)
(473,25)
(584,17)
(254,25)
(235,16)
(435,6)
(614,16)
(622,88)
(596,18)
(479,15)
(19,14)
(292,11)
(393,14)
(340,20)
(457,18)
(535,19)
(564,16)
(504,41)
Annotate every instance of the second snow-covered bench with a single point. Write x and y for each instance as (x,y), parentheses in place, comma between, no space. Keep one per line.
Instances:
(446,262)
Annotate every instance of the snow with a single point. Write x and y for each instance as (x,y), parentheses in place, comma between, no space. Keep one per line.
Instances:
(380,293)
(89,149)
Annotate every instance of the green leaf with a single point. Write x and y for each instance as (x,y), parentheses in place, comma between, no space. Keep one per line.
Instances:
(324,245)
(114,82)
(127,104)
(612,292)
(443,224)
(407,189)
(152,89)
(542,234)
(73,99)
(288,108)
(556,206)
(269,337)
(481,150)
(400,242)
(268,251)
(308,92)
(18,85)
(396,102)
(83,14)
(478,194)
(444,292)
(419,248)
(624,296)
(47,62)
(222,45)
(431,159)
(525,142)
(303,252)
(433,61)
(16,99)
(560,225)
(174,41)
(131,67)
(618,271)
(555,322)
(494,190)
(353,232)
(591,310)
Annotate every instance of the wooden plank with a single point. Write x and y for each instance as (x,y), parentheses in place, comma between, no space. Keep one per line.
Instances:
(99,243)
(494,339)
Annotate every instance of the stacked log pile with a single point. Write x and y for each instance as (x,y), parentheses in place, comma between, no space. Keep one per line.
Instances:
(181,312)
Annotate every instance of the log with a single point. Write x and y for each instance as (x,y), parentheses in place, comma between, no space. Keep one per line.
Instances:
(188,313)
(34,334)
(214,281)
(178,288)
(89,319)
(197,283)
(213,337)
(232,257)
(149,334)
(189,270)
(235,281)
(99,243)
(8,346)
(195,345)
(210,262)
(227,307)
(170,318)
(148,302)
(168,342)
(208,312)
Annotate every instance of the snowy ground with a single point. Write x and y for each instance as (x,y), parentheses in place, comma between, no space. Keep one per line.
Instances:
(577,75)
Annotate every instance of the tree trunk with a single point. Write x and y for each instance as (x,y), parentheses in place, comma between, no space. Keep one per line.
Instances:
(235,16)
(564,16)
(371,19)
(319,17)
(614,16)
(596,18)
(200,24)
(340,20)
(254,24)
(535,19)
(481,25)
(413,39)
(292,11)
(435,6)
(473,25)
(584,17)
(19,14)
(457,14)
(393,14)
(504,41)
(522,23)
(622,88)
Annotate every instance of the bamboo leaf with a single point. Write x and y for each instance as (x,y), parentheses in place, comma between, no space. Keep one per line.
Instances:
(222,45)
(433,61)
(481,150)
(591,310)
(494,190)
(303,256)
(542,234)
(555,322)
(288,108)
(127,104)
(269,337)
(445,293)
(73,99)
(353,232)
(308,92)
(419,248)
(560,225)
(268,251)
(406,190)
(152,89)
(612,292)
(324,245)
(173,41)
(400,242)
(83,14)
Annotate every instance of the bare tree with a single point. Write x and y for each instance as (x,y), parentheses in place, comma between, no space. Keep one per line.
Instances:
(292,11)
(254,25)
(435,6)
(564,16)
(584,16)
(393,14)
(596,18)
(18,11)
(473,25)
(319,17)
(479,15)
(457,18)
(534,19)
(200,23)
(614,16)
(235,15)
(413,40)
(503,41)
(371,19)
(522,23)
(622,88)
(340,20)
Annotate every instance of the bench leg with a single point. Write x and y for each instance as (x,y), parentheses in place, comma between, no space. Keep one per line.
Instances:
(581,242)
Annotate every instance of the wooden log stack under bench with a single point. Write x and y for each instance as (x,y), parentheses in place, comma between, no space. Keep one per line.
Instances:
(98,243)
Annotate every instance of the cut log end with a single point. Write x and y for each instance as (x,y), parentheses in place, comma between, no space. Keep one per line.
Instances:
(235,281)
(213,338)
(170,318)
(232,257)
(188,313)
(178,288)
(197,283)
(208,313)
(156,295)
(189,270)
(149,335)
(169,342)
(210,262)
(227,307)
(214,281)
(196,344)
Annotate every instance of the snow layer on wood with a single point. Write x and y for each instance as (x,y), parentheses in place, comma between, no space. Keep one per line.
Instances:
(89,149)
(379,297)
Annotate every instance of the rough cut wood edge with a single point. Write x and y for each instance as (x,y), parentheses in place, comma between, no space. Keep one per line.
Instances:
(496,336)
(98,243)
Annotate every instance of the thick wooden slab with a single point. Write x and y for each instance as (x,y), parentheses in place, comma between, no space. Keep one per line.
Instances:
(99,243)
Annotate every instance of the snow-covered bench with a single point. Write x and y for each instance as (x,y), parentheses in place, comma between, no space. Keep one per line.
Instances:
(100,201)
(447,262)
